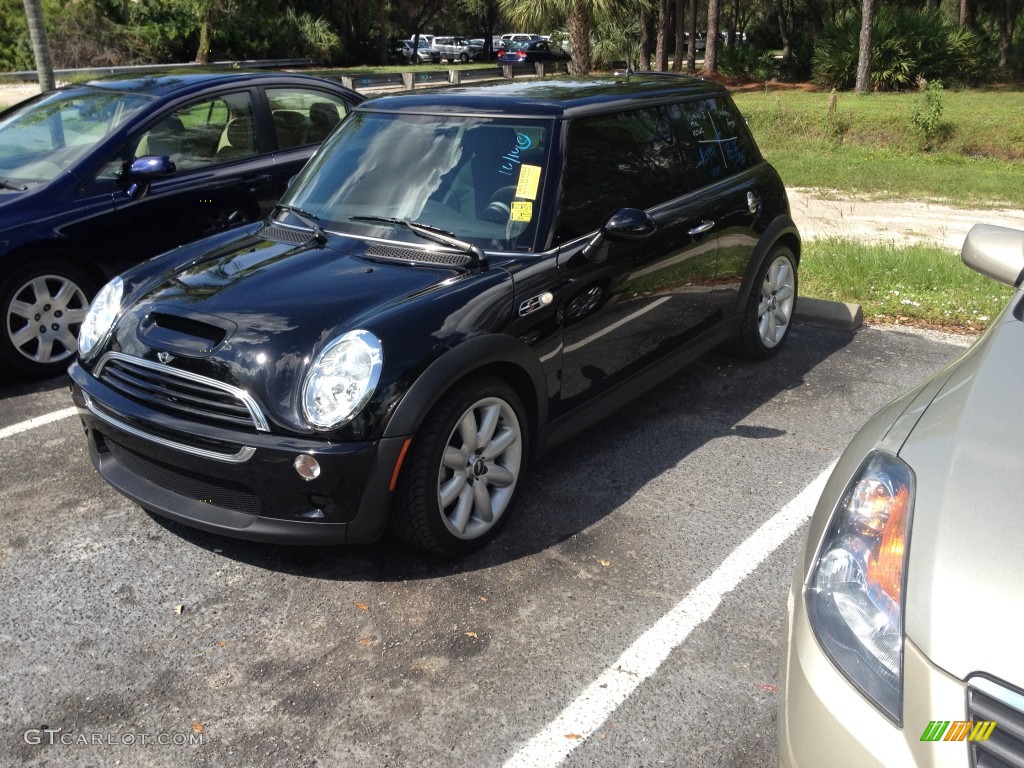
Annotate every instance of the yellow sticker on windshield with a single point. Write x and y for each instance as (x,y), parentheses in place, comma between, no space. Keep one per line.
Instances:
(522,210)
(529,180)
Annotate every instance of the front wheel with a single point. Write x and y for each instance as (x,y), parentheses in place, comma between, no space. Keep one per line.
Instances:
(466,462)
(768,316)
(43,305)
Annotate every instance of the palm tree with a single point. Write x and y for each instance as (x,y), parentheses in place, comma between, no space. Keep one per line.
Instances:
(578,15)
(40,45)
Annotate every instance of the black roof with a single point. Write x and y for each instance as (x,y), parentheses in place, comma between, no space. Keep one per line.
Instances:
(186,79)
(550,97)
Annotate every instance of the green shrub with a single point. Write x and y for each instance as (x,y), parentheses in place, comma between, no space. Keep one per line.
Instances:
(928,122)
(747,62)
(906,45)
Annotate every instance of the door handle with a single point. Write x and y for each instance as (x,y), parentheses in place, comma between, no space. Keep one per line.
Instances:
(701,228)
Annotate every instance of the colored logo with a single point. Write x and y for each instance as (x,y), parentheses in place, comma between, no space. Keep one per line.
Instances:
(958,730)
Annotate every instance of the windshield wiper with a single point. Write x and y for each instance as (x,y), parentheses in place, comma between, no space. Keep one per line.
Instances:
(432,233)
(6,184)
(308,219)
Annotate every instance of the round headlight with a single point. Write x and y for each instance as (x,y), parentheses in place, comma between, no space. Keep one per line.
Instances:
(101,315)
(342,379)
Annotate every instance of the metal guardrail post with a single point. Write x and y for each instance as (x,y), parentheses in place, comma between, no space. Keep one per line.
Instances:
(506,71)
(347,82)
(538,67)
(454,76)
(409,80)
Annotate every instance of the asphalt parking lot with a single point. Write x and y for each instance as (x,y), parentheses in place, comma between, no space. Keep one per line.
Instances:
(630,615)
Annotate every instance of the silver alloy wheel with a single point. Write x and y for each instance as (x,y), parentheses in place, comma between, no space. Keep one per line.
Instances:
(44,317)
(778,296)
(480,467)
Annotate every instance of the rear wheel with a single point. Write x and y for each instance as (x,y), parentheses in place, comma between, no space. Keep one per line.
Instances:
(43,304)
(768,316)
(466,462)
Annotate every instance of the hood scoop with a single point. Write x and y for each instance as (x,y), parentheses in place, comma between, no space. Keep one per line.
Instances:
(418,256)
(184,331)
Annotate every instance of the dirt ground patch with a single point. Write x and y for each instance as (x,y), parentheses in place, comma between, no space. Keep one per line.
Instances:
(822,213)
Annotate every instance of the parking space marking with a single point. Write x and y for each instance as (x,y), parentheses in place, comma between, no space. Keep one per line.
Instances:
(38,421)
(581,719)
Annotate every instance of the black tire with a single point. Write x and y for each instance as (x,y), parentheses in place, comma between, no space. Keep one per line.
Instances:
(42,306)
(768,315)
(464,58)
(487,481)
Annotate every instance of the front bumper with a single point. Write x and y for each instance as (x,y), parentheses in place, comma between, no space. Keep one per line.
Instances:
(824,720)
(166,465)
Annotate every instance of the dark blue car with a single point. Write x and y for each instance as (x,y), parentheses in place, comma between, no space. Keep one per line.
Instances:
(99,176)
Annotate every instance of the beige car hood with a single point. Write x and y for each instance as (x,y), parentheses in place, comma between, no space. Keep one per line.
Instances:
(965,588)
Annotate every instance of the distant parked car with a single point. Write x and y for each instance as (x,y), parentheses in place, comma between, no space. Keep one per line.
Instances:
(98,176)
(458,49)
(531,52)
(510,38)
(425,52)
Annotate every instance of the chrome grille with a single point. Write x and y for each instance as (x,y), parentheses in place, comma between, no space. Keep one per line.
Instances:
(180,393)
(995,702)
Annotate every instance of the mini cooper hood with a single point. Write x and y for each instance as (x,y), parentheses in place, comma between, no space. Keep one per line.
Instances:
(966,563)
(254,314)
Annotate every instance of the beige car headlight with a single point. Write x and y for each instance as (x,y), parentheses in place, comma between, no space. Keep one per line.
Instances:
(855,591)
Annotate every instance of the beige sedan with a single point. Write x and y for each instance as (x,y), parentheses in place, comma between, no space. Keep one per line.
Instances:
(906,633)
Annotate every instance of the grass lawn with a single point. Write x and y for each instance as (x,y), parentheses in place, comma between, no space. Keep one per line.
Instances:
(869,144)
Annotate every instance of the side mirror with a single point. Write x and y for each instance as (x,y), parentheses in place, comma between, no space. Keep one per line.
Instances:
(996,252)
(623,226)
(144,169)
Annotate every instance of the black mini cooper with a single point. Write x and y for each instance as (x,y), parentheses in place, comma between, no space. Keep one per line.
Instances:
(456,281)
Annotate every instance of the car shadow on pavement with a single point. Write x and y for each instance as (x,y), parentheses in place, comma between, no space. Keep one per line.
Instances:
(580,482)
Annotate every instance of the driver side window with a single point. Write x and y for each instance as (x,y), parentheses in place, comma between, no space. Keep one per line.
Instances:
(212,130)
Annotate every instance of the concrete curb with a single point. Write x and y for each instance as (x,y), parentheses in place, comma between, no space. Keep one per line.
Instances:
(828,314)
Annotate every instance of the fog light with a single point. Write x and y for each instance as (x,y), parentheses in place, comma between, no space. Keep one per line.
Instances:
(307,467)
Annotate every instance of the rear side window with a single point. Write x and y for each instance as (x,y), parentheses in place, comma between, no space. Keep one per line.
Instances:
(624,160)
(716,141)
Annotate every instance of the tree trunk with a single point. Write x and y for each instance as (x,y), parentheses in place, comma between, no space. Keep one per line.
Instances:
(1007,15)
(680,41)
(787,43)
(205,13)
(864,56)
(644,62)
(966,14)
(40,45)
(661,39)
(382,33)
(711,42)
(579,37)
(691,51)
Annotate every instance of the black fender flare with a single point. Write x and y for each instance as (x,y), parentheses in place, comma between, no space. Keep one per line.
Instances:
(474,354)
(782,228)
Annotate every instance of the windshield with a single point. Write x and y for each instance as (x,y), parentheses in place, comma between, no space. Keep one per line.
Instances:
(41,139)
(478,178)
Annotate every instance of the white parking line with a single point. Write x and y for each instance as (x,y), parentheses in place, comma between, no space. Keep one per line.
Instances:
(38,421)
(587,713)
